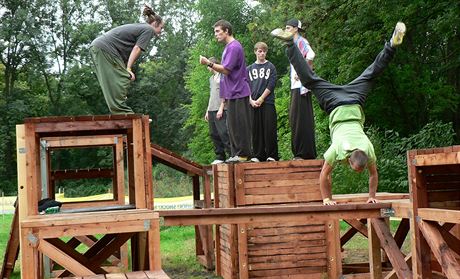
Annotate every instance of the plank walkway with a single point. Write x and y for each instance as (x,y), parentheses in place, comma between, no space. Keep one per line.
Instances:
(159,274)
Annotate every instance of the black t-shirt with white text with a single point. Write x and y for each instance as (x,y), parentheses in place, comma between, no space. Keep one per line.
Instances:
(261,77)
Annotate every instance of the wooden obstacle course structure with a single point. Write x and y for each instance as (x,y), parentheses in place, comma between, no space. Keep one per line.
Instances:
(41,234)
(434,179)
(204,236)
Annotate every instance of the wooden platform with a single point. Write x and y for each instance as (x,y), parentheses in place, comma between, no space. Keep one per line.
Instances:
(159,274)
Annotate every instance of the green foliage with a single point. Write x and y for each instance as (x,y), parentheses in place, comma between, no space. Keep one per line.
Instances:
(170,183)
(84,188)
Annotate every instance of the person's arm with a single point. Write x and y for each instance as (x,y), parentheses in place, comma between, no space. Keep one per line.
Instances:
(220,112)
(373,182)
(262,97)
(270,86)
(325,184)
(135,52)
(216,67)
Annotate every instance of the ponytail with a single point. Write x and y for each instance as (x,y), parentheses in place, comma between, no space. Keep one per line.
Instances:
(150,15)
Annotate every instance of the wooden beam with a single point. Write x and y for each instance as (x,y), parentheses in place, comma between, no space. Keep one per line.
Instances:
(63,259)
(440,215)
(451,158)
(440,249)
(262,214)
(392,274)
(81,141)
(81,174)
(401,232)
(391,248)
(334,253)
(359,225)
(375,254)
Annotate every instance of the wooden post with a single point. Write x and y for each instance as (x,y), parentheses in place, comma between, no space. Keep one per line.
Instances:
(375,254)
(334,254)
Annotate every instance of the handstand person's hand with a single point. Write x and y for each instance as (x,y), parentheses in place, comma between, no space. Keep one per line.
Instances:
(328,201)
(372,200)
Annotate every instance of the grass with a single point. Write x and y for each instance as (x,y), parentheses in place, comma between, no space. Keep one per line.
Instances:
(178,249)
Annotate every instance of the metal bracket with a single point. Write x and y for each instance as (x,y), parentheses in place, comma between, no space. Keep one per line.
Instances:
(387,212)
(32,239)
(147,225)
(22,150)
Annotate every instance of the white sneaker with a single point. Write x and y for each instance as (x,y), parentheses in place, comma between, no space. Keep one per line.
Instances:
(398,34)
(217,161)
(270,159)
(282,34)
(255,160)
(237,159)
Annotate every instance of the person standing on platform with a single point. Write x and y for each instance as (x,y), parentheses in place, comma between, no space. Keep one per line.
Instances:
(262,79)
(216,116)
(234,88)
(344,105)
(114,54)
(301,117)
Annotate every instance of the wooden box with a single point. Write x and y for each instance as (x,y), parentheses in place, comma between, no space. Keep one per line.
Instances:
(273,250)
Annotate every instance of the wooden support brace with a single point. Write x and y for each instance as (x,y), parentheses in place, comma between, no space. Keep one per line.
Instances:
(391,248)
(63,259)
(440,249)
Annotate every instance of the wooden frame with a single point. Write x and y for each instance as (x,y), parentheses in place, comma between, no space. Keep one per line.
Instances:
(40,234)
(434,180)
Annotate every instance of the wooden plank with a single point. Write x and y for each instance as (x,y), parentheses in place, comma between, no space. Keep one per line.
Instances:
(63,219)
(283,198)
(452,158)
(63,259)
(311,176)
(375,255)
(243,251)
(268,217)
(280,231)
(289,264)
(445,256)
(12,246)
(158,274)
(118,180)
(81,174)
(115,276)
(334,255)
(80,141)
(276,258)
(306,271)
(440,215)
(391,248)
(138,154)
(296,249)
(287,188)
(154,246)
(293,237)
(149,196)
(276,181)
(136,275)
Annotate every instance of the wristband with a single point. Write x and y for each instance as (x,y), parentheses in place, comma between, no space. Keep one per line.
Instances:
(210,65)
(129,69)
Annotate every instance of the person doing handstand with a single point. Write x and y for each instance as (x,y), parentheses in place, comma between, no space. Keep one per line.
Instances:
(344,105)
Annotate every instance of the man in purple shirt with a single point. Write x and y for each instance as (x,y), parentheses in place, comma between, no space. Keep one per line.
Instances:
(234,88)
